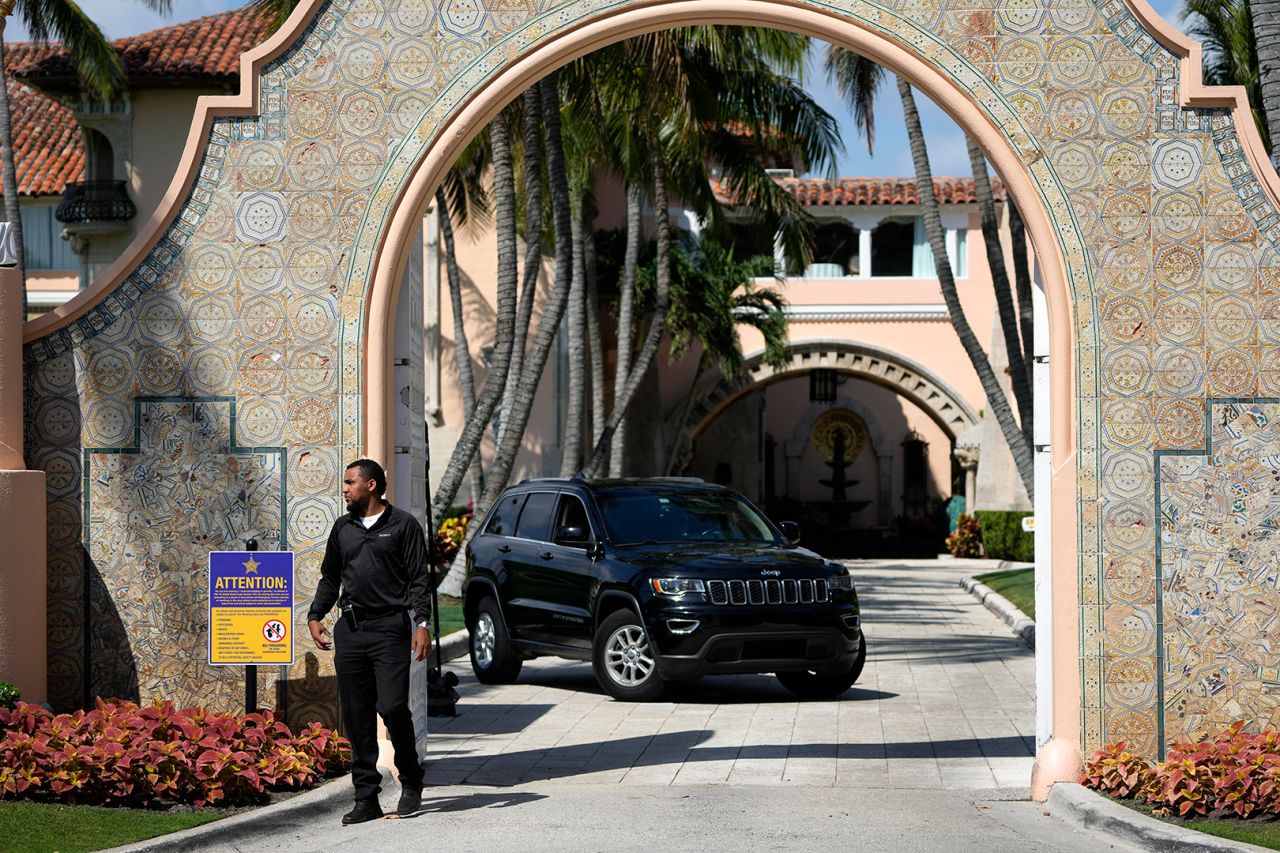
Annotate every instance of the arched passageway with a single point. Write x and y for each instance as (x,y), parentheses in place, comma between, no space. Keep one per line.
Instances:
(878,393)
(1144,194)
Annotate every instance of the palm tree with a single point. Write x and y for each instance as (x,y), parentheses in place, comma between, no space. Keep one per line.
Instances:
(1226,27)
(712,294)
(1019,367)
(504,196)
(1019,444)
(96,61)
(553,312)
(711,97)
(532,160)
(1266,33)
(859,82)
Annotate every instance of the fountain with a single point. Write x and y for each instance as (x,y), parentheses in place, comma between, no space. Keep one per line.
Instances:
(840,508)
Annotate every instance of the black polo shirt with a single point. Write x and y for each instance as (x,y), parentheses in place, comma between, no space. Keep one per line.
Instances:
(379,570)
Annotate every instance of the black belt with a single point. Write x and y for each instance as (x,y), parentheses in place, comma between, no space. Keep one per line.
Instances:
(356,614)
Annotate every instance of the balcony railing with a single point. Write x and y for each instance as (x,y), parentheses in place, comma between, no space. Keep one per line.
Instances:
(95,201)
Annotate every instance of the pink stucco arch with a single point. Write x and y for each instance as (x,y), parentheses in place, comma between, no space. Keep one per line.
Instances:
(1060,760)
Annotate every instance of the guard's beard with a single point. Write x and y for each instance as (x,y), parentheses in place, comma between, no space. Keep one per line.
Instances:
(358,505)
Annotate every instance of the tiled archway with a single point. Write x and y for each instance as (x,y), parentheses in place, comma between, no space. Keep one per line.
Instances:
(896,372)
(253,317)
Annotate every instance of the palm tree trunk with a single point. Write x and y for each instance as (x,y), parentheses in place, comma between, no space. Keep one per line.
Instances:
(1026,310)
(595,342)
(657,323)
(680,443)
(571,441)
(461,347)
(531,114)
(557,301)
(626,322)
(9,176)
(1018,444)
(504,192)
(1018,373)
(1266,29)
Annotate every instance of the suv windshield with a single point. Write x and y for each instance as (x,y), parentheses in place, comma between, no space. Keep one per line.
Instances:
(646,514)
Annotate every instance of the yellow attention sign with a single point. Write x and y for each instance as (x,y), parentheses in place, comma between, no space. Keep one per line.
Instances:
(250,608)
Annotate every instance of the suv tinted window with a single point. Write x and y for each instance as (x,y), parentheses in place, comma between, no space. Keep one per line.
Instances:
(535,520)
(573,514)
(641,514)
(503,520)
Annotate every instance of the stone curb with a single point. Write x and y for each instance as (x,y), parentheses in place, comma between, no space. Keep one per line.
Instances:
(1090,810)
(1019,623)
(300,811)
(453,646)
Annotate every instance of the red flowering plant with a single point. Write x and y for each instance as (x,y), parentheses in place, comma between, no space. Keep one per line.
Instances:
(122,754)
(1235,773)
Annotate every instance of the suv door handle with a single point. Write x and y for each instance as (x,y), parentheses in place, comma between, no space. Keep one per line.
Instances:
(505,549)
(547,555)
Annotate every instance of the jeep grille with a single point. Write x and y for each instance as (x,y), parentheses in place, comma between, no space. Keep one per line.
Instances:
(789,591)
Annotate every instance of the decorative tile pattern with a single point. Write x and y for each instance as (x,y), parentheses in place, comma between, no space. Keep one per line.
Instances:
(1217,572)
(153,512)
(257,291)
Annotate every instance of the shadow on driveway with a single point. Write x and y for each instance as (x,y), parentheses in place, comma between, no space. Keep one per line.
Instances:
(563,762)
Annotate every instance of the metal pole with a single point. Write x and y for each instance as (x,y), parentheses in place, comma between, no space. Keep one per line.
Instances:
(250,670)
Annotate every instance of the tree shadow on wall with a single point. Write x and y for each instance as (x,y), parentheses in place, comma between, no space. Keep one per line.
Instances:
(309,697)
(111,670)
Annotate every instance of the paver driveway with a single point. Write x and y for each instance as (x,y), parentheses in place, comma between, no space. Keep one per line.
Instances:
(946,701)
(909,760)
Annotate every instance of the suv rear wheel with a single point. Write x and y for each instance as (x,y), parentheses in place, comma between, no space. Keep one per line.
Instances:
(623,659)
(825,685)
(492,658)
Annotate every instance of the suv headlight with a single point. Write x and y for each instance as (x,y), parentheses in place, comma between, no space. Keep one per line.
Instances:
(677,586)
(844,581)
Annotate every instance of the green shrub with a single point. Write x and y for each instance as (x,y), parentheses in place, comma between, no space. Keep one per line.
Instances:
(967,540)
(9,695)
(1003,537)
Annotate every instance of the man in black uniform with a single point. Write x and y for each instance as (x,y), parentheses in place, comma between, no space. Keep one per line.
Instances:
(375,568)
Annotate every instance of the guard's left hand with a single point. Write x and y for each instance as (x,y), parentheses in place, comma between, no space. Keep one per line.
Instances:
(421,643)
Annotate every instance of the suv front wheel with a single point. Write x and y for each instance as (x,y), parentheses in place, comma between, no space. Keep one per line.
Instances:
(624,660)
(492,658)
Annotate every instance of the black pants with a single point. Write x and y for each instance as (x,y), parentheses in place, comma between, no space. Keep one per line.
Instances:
(373,676)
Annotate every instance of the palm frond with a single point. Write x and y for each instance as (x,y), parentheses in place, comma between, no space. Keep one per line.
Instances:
(858,80)
(275,11)
(96,60)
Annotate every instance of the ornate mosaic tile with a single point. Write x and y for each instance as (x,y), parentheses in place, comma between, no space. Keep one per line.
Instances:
(153,512)
(1218,572)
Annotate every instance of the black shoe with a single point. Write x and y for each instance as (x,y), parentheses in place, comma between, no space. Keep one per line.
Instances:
(410,802)
(364,810)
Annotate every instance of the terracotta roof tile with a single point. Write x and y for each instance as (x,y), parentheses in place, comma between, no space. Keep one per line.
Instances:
(819,192)
(47,148)
(207,48)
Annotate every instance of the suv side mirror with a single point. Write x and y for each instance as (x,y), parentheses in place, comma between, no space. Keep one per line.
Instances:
(790,532)
(571,535)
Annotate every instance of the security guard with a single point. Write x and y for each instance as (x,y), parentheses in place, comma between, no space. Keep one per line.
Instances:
(375,568)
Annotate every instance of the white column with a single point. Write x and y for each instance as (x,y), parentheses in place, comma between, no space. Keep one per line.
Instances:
(1043,516)
(431,335)
(865,223)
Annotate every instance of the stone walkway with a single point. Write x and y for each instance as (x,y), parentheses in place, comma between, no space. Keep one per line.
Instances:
(930,751)
(946,701)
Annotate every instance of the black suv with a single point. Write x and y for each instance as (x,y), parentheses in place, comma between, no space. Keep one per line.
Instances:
(655,581)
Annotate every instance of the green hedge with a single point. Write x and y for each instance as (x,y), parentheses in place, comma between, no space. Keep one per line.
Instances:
(1003,537)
